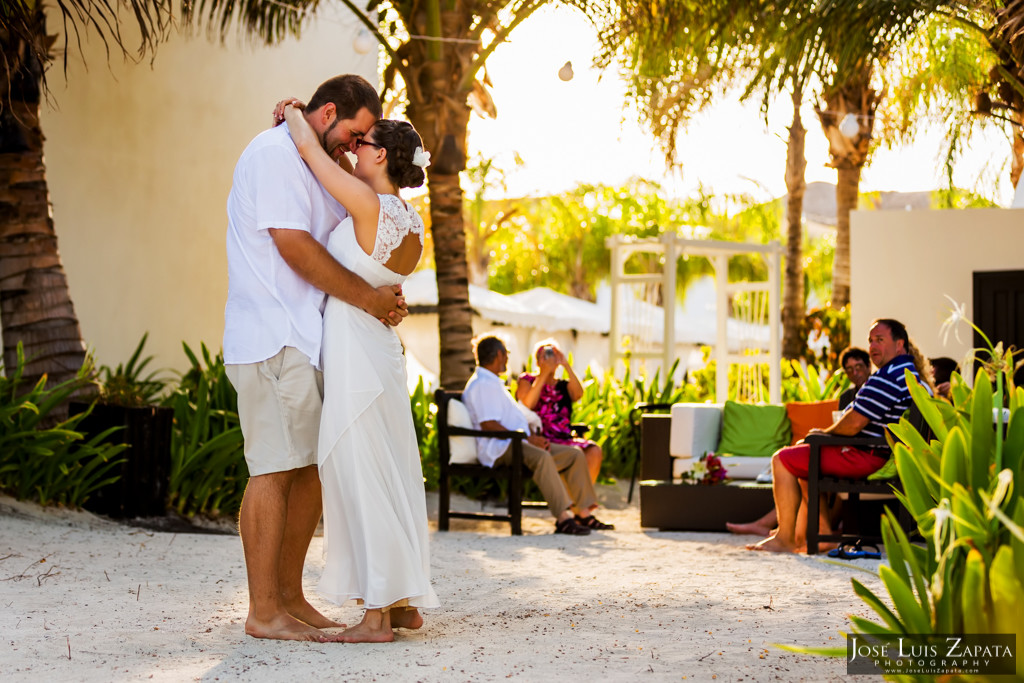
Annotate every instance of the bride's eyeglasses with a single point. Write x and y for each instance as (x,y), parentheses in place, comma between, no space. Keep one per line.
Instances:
(360,142)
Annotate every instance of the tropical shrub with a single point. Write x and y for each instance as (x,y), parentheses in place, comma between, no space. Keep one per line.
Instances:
(810,383)
(800,382)
(964,489)
(208,470)
(125,385)
(424,418)
(45,462)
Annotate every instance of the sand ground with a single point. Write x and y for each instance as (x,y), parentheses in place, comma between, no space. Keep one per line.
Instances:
(87,599)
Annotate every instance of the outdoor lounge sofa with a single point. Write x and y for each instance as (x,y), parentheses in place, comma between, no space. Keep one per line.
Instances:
(743,435)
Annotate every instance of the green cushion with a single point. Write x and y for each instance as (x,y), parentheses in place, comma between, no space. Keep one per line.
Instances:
(753,430)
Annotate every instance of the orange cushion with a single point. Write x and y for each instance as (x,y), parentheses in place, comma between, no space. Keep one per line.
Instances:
(803,417)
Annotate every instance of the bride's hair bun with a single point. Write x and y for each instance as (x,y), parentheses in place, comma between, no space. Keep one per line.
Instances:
(401,141)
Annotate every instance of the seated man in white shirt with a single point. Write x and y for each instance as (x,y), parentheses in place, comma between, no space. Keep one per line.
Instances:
(560,471)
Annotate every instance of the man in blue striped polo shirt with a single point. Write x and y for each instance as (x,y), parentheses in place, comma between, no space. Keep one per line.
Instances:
(881,401)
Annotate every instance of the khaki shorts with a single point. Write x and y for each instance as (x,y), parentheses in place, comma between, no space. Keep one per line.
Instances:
(279,405)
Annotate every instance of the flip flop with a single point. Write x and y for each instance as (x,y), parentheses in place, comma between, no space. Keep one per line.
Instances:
(856,552)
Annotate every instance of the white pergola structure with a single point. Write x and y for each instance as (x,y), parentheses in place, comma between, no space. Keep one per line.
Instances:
(749,339)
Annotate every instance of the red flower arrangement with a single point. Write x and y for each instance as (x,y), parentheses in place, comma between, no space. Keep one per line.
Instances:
(708,470)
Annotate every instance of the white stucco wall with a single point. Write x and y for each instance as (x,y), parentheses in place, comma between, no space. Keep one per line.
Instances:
(139,162)
(903,263)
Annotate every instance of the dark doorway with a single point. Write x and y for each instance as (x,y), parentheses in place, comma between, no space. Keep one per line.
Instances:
(999,310)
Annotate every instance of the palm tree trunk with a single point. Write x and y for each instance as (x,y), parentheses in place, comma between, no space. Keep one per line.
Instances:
(847,191)
(454,315)
(1017,156)
(440,114)
(35,304)
(854,95)
(796,185)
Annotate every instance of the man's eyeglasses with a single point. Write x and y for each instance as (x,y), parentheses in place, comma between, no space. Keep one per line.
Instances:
(360,142)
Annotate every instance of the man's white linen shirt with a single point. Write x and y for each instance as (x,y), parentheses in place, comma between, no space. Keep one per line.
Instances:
(486,398)
(269,305)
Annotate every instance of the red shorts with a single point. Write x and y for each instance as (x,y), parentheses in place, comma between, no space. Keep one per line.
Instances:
(845,462)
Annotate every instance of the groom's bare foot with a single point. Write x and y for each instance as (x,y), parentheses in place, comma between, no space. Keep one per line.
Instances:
(305,612)
(406,618)
(282,627)
(374,628)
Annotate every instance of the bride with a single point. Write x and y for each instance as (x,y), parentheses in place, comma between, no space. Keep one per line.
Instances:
(375,514)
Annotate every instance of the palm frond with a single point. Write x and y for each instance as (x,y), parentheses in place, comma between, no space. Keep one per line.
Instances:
(26,48)
(268,20)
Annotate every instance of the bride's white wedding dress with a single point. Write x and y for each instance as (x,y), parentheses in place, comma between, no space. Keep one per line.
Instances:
(375,513)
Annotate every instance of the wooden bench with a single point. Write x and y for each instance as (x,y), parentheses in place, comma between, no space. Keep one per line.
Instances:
(514,473)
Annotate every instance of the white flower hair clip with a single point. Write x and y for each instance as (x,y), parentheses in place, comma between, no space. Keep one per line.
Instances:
(420,158)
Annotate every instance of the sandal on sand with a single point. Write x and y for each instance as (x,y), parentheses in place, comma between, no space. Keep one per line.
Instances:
(856,552)
(594,523)
(570,527)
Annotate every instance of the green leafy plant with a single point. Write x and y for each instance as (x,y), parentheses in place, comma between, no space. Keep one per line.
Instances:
(50,464)
(125,385)
(208,470)
(811,384)
(424,417)
(964,489)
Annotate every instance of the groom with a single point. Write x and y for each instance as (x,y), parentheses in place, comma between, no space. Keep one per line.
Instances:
(279,219)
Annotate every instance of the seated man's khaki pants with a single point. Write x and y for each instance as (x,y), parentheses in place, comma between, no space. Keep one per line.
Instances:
(567,461)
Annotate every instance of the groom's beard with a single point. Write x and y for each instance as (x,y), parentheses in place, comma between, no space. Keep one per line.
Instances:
(323,141)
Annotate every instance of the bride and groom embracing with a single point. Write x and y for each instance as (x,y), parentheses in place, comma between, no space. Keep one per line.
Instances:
(304,225)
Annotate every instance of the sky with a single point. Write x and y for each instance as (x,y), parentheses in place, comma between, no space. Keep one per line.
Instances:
(567,133)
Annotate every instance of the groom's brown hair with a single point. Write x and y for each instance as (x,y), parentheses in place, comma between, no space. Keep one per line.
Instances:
(349,93)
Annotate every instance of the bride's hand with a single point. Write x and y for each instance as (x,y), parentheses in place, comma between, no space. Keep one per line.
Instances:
(301,132)
(280,106)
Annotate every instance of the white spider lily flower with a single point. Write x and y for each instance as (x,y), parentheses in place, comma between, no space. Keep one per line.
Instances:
(956,314)
(942,515)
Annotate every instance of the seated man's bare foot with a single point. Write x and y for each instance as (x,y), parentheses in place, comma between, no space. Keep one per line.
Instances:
(752,528)
(409,617)
(773,544)
(282,627)
(305,612)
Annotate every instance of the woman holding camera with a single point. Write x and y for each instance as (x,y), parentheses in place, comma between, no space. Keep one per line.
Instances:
(552,400)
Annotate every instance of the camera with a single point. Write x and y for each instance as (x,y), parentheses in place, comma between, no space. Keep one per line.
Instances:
(549,351)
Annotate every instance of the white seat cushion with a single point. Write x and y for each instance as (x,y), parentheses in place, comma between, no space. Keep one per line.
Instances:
(736,466)
(695,429)
(462,448)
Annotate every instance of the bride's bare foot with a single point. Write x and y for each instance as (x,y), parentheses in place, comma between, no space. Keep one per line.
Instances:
(752,528)
(282,627)
(408,617)
(305,612)
(374,628)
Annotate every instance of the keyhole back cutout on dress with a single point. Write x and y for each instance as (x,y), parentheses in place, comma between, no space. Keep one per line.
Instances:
(394,246)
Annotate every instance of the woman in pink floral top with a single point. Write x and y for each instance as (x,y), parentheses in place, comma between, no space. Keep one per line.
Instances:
(552,400)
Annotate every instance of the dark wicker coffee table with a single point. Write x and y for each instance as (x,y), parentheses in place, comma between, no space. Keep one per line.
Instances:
(697,507)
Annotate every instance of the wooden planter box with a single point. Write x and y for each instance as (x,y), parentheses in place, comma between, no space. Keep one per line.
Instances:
(698,507)
(145,473)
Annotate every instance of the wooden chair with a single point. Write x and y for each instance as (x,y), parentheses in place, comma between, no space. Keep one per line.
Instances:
(514,473)
(817,484)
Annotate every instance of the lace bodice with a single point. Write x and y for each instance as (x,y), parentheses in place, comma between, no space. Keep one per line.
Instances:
(397,219)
